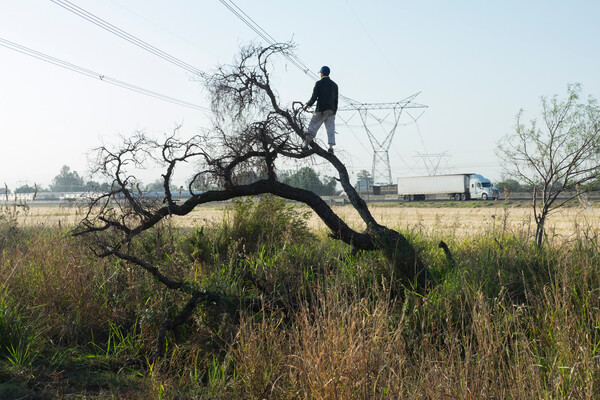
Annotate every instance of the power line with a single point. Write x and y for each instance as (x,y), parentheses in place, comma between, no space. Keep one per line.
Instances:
(354,133)
(87,72)
(67,5)
(402,159)
(237,11)
(234,8)
(163,28)
(373,41)
(380,150)
(246,19)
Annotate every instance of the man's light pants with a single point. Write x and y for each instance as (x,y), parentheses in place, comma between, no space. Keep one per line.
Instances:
(318,118)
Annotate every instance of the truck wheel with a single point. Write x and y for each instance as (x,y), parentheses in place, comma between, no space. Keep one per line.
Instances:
(463,197)
(411,197)
(484,196)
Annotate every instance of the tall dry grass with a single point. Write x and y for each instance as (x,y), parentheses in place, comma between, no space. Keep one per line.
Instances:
(480,348)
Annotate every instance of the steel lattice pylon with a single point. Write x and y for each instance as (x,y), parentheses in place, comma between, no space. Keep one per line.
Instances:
(382,172)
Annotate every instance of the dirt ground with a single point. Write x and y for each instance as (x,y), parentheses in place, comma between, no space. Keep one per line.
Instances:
(461,222)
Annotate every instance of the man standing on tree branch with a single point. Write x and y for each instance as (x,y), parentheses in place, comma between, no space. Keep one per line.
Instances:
(325,94)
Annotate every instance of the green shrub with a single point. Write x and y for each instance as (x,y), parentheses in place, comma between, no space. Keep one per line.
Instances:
(251,225)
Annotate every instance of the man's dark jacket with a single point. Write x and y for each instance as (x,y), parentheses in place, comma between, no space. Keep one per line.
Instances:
(326,95)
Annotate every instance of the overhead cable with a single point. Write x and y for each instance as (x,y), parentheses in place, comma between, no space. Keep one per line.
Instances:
(238,12)
(126,36)
(87,72)
(246,19)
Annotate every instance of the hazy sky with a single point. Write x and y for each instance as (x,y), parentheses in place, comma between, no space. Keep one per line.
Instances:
(476,63)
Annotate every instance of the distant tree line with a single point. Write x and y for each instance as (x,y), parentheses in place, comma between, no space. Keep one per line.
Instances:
(304,178)
(69,180)
(514,186)
(66,181)
(308,179)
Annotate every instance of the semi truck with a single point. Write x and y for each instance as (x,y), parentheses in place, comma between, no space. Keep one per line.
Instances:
(455,186)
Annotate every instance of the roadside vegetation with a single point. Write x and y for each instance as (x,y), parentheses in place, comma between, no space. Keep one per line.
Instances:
(469,204)
(502,318)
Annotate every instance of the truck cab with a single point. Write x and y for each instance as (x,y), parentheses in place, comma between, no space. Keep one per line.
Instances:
(480,187)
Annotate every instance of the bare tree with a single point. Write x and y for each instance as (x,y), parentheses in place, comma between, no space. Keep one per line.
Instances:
(555,154)
(252,130)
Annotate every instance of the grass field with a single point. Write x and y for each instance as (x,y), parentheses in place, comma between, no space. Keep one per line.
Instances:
(298,316)
(464,220)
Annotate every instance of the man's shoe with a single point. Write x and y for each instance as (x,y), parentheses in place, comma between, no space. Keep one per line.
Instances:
(330,151)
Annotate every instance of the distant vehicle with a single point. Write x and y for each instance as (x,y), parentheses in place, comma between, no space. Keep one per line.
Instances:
(455,186)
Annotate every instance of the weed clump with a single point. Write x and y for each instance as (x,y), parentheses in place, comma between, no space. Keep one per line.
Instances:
(250,226)
(9,228)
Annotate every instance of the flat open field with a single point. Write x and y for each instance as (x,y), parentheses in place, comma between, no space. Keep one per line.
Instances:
(443,220)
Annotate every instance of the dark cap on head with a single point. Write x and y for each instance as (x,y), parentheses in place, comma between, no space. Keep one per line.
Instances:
(324,70)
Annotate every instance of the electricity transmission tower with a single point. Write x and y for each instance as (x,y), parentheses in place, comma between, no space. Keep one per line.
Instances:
(432,161)
(382,173)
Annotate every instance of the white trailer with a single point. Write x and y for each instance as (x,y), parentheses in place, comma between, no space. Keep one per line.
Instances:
(455,186)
